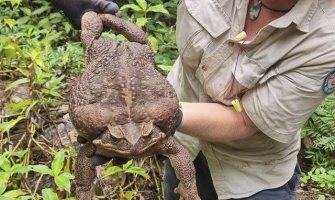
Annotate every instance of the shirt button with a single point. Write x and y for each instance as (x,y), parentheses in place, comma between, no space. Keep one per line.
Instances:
(204,67)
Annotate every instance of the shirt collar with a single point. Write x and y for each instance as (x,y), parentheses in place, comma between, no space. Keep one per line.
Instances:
(301,15)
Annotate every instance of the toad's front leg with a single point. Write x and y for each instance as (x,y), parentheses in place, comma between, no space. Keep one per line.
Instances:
(85,171)
(184,168)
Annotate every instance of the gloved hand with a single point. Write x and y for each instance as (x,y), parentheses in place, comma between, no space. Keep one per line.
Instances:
(179,120)
(166,127)
(74,9)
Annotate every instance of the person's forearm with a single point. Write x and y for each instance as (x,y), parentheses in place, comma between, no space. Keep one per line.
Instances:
(215,122)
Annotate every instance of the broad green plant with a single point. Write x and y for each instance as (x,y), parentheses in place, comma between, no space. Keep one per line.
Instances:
(126,191)
(323,178)
(320,130)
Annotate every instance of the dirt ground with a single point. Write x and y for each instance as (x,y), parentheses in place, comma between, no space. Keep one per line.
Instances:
(306,195)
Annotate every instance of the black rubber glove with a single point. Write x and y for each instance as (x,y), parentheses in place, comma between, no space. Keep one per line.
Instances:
(74,9)
(165,125)
(179,120)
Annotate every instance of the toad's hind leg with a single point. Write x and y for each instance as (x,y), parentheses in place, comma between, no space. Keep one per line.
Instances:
(184,168)
(85,172)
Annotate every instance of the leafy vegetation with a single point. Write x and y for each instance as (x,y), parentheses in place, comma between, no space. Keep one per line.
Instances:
(40,55)
(35,57)
(155,18)
(320,131)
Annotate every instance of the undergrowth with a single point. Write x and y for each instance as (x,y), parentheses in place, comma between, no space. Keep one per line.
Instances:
(320,132)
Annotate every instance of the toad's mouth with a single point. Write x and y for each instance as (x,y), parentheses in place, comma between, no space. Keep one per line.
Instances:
(128,149)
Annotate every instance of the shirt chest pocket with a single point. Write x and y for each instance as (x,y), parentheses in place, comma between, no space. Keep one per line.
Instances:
(199,23)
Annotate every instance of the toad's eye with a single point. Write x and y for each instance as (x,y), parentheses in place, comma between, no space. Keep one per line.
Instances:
(149,134)
(147,129)
(115,132)
(113,139)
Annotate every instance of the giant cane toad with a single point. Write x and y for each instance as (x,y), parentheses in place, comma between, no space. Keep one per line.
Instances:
(122,106)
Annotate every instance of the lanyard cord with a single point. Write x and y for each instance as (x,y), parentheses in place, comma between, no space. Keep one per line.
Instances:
(234,73)
(236,102)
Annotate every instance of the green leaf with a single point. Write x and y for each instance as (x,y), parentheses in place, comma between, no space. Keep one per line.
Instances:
(42,169)
(4,176)
(154,43)
(110,171)
(52,93)
(322,197)
(39,62)
(40,10)
(55,17)
(43,23)
(23,20)
(68,175)
(49,194)
(143,4)
(24,71)
(10,22)
(18,168)
(158,8)
(130,6)
(2,188)
(58,162)
(18,106)
(34,54)
(14,193)
(38,75)
(127,165)
(15,2)
(25,197)
(129,195)
(16,83)
(12,48)
(5,163)
(67,27)
(140,22)
(138,171)
(54,83)
(62,181)
(5,126)
(26,11)
(165,68)
(10,51)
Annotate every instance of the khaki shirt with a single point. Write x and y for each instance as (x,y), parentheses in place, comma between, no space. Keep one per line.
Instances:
(281,76)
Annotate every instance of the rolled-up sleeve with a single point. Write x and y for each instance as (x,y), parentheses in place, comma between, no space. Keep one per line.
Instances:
(280,106)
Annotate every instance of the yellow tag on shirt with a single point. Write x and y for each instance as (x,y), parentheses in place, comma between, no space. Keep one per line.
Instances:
(237,106)
(239,37)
